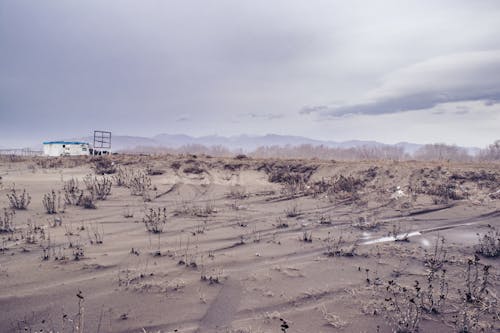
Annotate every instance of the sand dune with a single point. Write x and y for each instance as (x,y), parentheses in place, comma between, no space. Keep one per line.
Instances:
(248,246)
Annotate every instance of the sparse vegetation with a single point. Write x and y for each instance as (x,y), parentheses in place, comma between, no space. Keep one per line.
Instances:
(283,257)
(72,193)
(121,177)
(292,211)
(489,243)
(338,246)
(19,201)
(100,188)
(139,184)
(96,233)
(49,202)
(402,307)
(7,220)
(87,202)
(155,220)
(104,166)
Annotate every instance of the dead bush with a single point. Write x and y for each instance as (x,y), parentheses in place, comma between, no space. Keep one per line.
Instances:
(72,193)
(194,169)
(18,200)
(293,187)
(446,192)
(96,234)
(489,243)
(340,187)
(292,211)
(436,258)
(100,188)
(104,166)
(195,210)
(155,220)
(476,298)
(140,183)
(233,166)
(176,165)
(287,172)
(365,223)
(7,220)
(307,236)
(49,202)
(154,171)
(482,178)
(121,177)
(87,202)
(402,308)
(339,247)
(347,184)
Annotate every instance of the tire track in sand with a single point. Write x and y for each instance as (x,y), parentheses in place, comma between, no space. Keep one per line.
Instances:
(222,311)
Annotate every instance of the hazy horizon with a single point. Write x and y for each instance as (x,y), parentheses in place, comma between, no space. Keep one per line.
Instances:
(234,143)
(327,70)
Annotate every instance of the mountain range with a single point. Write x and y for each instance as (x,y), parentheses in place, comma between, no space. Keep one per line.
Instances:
(245,143)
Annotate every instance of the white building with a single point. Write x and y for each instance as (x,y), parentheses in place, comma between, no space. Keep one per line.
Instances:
(65,148)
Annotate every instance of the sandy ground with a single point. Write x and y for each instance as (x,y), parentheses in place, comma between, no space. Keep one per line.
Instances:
(227,222)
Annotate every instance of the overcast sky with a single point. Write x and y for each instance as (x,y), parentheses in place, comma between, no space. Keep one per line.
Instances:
(418,71)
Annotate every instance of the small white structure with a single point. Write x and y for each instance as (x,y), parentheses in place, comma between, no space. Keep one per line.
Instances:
(65,148)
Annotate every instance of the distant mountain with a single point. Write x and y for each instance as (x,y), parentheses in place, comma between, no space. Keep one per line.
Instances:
(245,143)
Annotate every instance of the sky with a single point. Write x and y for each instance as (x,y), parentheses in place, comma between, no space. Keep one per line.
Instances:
(390,71)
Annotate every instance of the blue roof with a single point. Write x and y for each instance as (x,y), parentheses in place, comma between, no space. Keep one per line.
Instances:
(65,143)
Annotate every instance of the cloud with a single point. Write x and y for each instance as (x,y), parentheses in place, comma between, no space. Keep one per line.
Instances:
(266,116)
(183,119)
(460,77)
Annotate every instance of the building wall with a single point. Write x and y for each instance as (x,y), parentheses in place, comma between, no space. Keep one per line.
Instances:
(59,149)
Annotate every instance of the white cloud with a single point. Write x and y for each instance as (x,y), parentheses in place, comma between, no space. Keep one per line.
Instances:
(460,77)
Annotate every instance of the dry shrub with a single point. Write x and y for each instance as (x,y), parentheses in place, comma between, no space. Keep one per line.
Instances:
(489,243)
(49,202)
(365,223)
(286,172)
(17,200)
(100,188)
(339,246)
(154,171)
(241,157)
(194,210)
(76,197)
(446,192)
(437,258)
(194,169)
(72,193)
(155,220)
(104,166)
(402,308)
(292,211)
(7,220)
(347,184)
(140,183)
(87,202)
(60,162)
(176,165)
(96,234)
(233,166)
(481,178)
(341,187)
(121,177)
(476,297)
